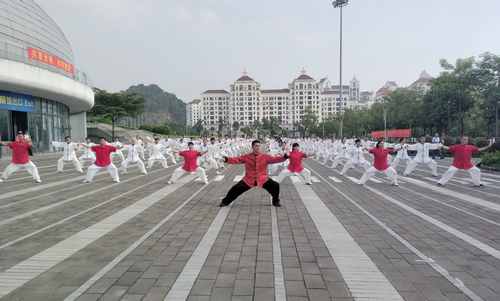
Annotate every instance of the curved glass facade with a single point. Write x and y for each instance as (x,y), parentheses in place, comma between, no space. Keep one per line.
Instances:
(49,122)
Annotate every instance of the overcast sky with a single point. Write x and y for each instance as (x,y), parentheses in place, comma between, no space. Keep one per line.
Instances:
(189,46)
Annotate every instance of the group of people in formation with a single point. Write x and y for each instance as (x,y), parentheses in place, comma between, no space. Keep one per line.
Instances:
(351,152)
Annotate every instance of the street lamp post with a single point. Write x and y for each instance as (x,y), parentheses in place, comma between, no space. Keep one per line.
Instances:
(385,108)
(340,3)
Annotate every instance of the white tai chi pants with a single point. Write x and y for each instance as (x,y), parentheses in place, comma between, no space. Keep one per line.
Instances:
(396,162)
(170,156)
(211,161)
(152,161)
(475,174)
(119,154)
(179,172)
(306,173)
(350,164)
(325,159)
(336,161)
(389,159)
(81,160)
(141,153)
(60,164)
(139,163)
(412,164)
(93,169)
(389,172)
(30,167)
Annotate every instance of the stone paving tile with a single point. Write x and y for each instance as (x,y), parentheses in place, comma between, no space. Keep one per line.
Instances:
(240,263)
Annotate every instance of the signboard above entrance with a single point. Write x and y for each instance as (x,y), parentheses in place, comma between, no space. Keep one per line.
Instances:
(16,102)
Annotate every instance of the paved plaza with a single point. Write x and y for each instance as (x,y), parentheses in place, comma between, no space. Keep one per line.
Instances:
(142,239)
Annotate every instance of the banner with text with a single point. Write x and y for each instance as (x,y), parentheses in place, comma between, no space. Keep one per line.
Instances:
(392,133)
(16,102)
(44,57)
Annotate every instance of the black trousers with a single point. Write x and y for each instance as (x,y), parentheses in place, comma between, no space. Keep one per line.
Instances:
(271,186)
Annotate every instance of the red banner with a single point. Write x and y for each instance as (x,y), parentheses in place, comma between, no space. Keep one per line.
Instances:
(44,57)
(392,133)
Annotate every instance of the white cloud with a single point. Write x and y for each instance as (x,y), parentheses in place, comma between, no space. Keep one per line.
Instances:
(183,17)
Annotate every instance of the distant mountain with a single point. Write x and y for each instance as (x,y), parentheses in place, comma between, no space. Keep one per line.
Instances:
(161,107)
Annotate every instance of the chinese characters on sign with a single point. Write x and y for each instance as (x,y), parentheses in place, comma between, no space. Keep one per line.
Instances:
(392,133)
(16,102)
(44,57)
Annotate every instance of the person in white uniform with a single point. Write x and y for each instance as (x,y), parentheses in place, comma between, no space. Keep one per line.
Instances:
(118,153)
(133,150)
(358,158)
(156,148)
(422,157)
(140,142)
(88,154)
(168,147)
(331,150)
(343,154)
(402,149)
(206,158)
(69,154)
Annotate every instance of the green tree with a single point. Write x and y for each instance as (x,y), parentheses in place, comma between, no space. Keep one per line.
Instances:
(116,105)
(146,127)
(198,127)
(221,124)
(489,75)
(257,124)
(236,126)
(271,125)
(309,120)
(163,130)
(286,133)
(263,132)
(205,133)
(248,131)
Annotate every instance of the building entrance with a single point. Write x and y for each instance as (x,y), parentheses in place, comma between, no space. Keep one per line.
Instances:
(19,122)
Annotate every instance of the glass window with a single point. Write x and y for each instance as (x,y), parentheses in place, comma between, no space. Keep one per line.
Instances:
(38,105)
(44,106)
(49,107)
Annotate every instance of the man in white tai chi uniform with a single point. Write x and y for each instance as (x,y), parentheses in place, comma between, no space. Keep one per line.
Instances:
(118,152)
(88,154)
(133,156)
(155,150)
(69,154)
(358,158)
(422,157)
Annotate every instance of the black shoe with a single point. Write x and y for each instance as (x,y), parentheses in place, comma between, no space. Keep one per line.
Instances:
(222,204)
(480,185)
(439,185)
(277,204)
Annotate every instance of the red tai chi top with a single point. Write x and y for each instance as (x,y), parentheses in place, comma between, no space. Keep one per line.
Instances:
(463,155)
(255,167)
(190,159)
(296,161)
(380,157)
(20,152)
(102,154)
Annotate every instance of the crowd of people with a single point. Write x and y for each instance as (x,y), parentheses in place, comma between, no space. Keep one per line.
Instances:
(286,153)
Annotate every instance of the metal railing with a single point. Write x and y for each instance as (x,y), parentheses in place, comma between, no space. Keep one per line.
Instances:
(19,53)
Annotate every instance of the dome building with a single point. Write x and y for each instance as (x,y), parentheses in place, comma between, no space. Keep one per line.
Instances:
(40,88)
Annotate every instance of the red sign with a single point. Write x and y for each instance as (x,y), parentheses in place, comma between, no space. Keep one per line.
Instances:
(392,133)
(44,57)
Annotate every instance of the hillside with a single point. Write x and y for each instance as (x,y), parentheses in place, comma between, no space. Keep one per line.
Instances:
(161,107)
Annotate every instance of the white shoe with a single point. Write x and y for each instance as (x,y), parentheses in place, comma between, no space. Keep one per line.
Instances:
(206,182)
(308,183)
(38,181)
(2,180)
(85,181)
(80,171)
(117,181)
(341,174)
(434,175)
(123,172)
(359,184)
(405,175)
(217,172)
(395,184)
(169,182)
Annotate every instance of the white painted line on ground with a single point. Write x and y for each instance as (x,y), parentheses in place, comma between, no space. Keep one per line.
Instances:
(295,179)
(279,277)
(314,179)
(361,275)
(457,195)
(375,180)
(218,178)
(459,284)
(130,249)
(185,281)
(352,179)
(335,180)
(32,267)
(476,243)
(237,178)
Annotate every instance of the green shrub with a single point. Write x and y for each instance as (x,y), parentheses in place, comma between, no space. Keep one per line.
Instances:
(99,120)
(449,141)
(162,129)
(482,143)
(492,159)
(146,127)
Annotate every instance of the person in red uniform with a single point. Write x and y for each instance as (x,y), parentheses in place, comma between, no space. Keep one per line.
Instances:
(380,164)
(462,161)
(20,158)
(296,165)
(255,174)
(102,152)
(190,157)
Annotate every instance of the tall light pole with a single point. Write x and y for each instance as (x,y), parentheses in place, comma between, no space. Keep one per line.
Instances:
(340,3)
(385,108)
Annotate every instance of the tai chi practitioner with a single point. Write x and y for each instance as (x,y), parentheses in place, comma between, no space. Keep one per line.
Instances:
(134,150)
(20,158)
(255,174)
(118,151)
(150,141)
(142,143)
(190,157)
(102,160)
(357,157)
(168,147)
(88,154)
(343,155)
(462,161)
(331,150)
(69,154)
(422,157)
(272,168)
(295,165)
(206,158)
(402,149)
(156,149)
(380,164)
